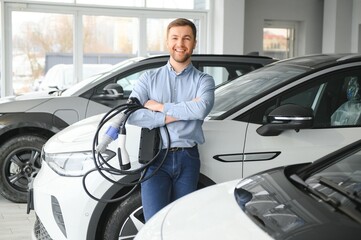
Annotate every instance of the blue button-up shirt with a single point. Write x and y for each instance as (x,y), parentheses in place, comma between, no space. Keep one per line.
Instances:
(176,92)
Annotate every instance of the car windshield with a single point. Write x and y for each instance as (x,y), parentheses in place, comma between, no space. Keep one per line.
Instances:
(250,85)
(100,76)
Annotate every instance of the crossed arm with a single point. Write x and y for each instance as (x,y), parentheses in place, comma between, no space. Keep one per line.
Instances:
(159,107)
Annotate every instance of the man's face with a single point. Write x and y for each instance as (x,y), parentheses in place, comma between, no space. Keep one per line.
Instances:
(180,43)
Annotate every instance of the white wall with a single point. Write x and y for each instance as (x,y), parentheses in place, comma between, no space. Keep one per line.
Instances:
(342,21)
(227,26)
(307,14)
(324,26)
(337,33)
(356,27)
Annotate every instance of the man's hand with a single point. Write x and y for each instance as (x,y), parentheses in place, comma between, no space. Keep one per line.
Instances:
(158,107)
(154,106)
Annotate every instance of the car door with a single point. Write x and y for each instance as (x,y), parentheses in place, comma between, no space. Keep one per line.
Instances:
(324,94)
(101,101)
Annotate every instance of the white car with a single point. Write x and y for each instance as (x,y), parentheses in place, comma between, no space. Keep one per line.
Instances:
(288,112)
(61,76)
(211,213)
(29,120)
(305,201)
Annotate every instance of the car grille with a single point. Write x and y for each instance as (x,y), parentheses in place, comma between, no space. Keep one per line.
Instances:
(40,231)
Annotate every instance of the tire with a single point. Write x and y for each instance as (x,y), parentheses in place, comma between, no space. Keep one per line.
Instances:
(19,163)
(126,219)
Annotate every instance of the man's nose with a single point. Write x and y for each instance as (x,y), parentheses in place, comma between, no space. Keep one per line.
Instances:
(180,42)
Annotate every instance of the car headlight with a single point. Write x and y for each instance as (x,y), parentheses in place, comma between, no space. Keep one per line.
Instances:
(73,164)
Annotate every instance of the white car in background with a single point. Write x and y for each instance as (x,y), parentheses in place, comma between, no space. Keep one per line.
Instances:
(61,76)
(288,112)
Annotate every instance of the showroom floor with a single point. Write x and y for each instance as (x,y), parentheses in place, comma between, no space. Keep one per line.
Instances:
(15,223)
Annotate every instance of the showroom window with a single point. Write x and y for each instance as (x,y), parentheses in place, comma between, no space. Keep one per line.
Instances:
(171,4)
(34,36)
(278,39)
(43,36)
(109,39)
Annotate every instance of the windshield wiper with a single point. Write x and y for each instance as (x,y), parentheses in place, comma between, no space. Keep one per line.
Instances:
(318,194)
(333,202)
(352,196)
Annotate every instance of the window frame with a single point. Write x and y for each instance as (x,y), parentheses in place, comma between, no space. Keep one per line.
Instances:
(78,11)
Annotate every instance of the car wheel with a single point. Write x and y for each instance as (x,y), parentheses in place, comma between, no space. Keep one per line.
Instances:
(126,220)
(19,163)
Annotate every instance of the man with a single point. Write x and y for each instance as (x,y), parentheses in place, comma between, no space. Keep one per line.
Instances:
(179,96)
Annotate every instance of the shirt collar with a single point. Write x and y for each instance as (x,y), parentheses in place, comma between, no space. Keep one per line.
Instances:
(170,68)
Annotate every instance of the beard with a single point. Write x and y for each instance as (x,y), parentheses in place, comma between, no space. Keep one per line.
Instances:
(181,58)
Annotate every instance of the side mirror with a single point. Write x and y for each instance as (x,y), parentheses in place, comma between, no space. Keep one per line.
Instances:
(113,91)
(285,117)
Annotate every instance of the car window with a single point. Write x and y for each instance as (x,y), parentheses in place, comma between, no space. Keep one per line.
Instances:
(250,86)
(226,71)
(221,72)
(99,78)
(326,95)
(126,80)
(129,81)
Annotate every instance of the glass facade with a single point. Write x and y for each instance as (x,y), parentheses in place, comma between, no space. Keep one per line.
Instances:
(171,4)
(35,37)
(76,34)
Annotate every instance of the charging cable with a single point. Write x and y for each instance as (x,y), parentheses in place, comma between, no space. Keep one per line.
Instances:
(118,117)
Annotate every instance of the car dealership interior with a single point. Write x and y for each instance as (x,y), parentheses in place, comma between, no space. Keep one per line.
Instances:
(281,134)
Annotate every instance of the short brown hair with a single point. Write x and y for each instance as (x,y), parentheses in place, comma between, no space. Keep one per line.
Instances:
(182,22)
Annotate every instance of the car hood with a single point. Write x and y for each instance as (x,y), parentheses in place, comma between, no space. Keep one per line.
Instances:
(76,137)
(210,213)
(80,135)
(23,103)
(286,212)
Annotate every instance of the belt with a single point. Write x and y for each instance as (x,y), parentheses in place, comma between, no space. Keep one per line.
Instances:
(175,149)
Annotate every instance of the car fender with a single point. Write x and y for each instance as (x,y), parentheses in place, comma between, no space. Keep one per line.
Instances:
(100,209)
(19,121)
(69,109)
(15,104)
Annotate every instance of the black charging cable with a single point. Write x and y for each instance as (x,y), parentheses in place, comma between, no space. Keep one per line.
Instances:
(122,113)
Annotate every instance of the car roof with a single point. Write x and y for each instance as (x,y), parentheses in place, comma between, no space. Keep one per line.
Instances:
(217,57)
(140,61)
(317,61)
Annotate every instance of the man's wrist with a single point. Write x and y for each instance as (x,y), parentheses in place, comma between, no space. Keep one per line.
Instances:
(166,107)
(169,119)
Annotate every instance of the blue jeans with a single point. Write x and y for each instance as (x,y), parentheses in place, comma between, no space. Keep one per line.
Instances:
(177,177)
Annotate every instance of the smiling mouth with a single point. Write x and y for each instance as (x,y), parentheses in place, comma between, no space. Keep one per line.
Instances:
(180,50)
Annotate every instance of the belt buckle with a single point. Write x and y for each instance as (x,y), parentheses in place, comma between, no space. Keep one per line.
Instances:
(174,149)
